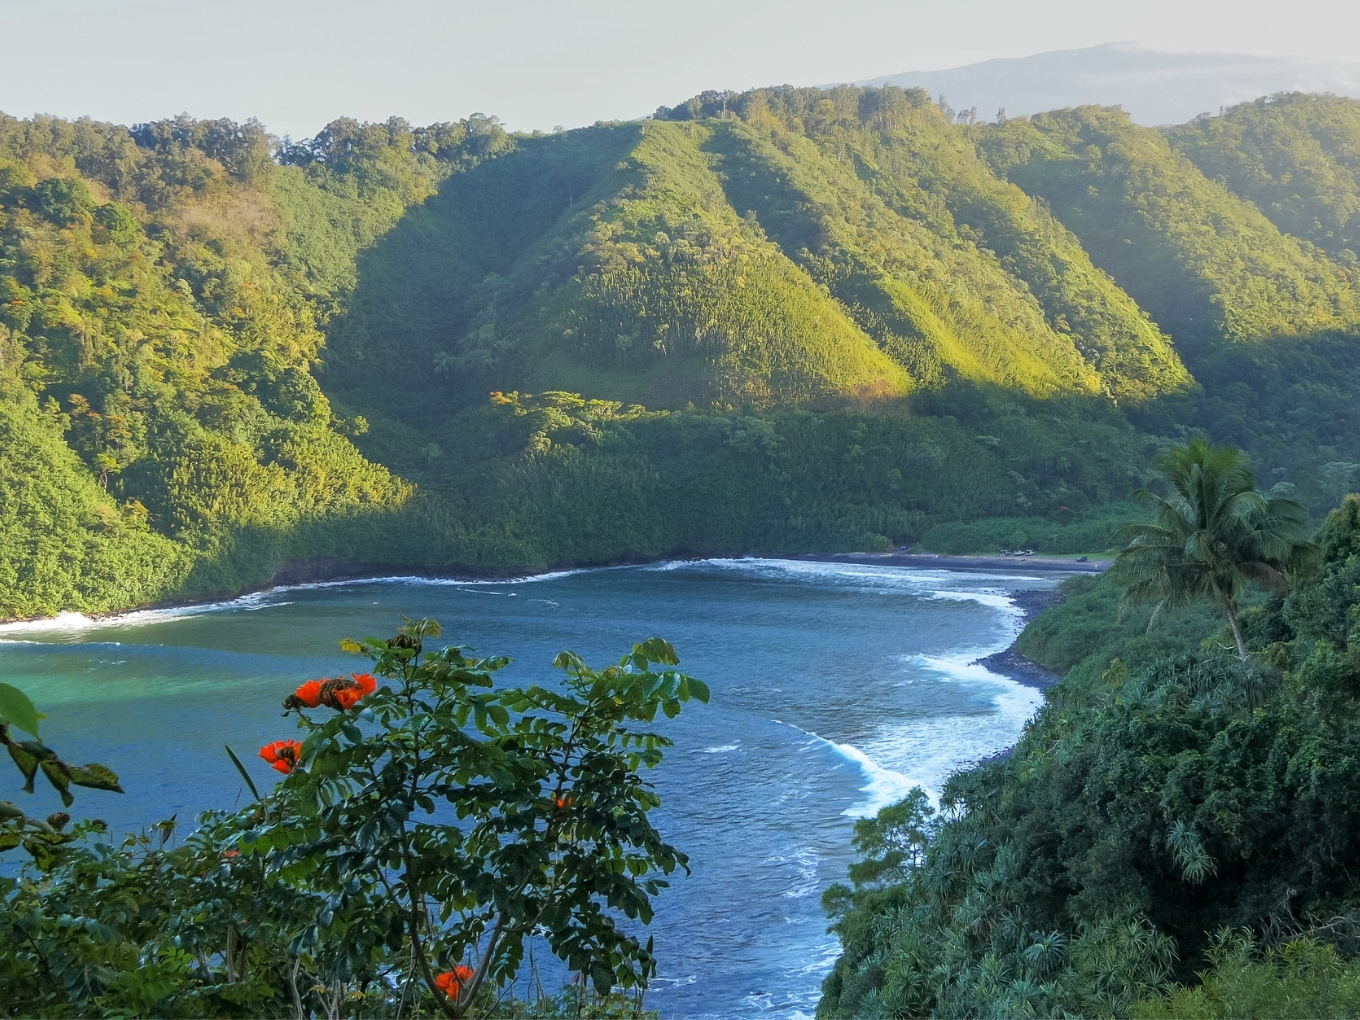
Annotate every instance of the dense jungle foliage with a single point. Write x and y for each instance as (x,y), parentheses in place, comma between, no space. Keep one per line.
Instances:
(791,320)
(1172,835)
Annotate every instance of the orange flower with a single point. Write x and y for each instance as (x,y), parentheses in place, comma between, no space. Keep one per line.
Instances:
(451,981)
(309,694)
(348,696)
(366,682)
(283,755)
(334,692)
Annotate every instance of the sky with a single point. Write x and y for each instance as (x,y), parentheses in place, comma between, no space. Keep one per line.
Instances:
(297,64)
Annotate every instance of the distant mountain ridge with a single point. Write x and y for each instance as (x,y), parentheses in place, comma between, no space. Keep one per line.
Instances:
(1153,87)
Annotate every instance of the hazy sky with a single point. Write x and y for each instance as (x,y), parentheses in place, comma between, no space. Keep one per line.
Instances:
(296,64)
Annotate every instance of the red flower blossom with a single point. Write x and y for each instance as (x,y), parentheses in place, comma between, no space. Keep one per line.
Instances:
(451,981)
(283,755)
(365,682)
(309,694)
(348,696)
(337,692)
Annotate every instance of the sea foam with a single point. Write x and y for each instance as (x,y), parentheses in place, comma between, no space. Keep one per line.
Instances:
(882,786)
(268,598)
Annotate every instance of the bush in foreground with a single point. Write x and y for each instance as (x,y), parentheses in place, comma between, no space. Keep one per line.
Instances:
(427,828)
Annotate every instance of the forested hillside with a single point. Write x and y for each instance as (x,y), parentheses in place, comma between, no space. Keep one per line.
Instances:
(164,432)
(784,321)
(1296,157)
(1171,836)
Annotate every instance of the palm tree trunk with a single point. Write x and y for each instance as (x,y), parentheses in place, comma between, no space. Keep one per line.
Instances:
(1237,631)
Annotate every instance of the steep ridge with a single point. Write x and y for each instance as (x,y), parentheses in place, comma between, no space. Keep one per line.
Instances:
(1207,267)
(760,255)
(605,261)
(1297,157)
(893,272)
(1014,259)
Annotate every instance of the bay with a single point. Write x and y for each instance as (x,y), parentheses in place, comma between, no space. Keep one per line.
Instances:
(836,688)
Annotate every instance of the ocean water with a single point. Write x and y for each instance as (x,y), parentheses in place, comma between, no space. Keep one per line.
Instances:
(836,689)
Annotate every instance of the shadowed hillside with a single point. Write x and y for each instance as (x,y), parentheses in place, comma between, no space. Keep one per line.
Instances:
(1296,157)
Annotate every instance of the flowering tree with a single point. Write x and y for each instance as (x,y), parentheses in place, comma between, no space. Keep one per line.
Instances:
(427,826)
(478,818)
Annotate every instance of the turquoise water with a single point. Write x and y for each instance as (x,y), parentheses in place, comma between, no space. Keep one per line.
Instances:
(836,688)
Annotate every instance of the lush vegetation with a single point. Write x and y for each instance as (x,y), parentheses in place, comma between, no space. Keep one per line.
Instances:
(1170,836)
(1296,157)
(791,320)
(428,826)
(1207,267)
(1213,537)
(1065,531)
(156,368)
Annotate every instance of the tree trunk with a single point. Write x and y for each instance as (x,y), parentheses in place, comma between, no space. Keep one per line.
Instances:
(1237,631)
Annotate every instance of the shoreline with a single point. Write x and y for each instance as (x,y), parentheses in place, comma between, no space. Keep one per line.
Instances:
(941,561)
(336,571)
(1009,662)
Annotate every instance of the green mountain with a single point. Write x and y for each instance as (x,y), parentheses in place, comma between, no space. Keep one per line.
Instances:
(784,321)
(748,259)
(1296,157)
(605,261)
(1208,267)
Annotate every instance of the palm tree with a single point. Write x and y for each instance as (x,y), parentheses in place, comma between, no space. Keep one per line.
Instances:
(1213,536)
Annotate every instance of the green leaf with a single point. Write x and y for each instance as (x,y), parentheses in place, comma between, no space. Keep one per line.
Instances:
(657,650)
(571,662)
(250,783)
(18,710)
(27,762)
(94,777)
(58,775)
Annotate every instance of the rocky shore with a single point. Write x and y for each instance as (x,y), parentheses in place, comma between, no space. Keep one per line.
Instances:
(1010,662)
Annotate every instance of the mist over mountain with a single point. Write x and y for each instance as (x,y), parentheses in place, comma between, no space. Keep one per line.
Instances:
(1152,87)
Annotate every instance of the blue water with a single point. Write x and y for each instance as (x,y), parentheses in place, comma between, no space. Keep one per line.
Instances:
(836,688)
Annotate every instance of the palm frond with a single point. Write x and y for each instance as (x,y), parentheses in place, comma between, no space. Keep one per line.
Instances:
(1212,535)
